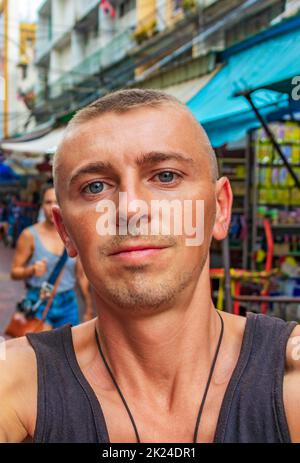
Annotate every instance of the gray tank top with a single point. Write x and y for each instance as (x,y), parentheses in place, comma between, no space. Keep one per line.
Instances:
(252,410)
(68,280)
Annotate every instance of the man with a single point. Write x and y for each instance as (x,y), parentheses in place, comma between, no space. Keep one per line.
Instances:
(38,249)
(158,348)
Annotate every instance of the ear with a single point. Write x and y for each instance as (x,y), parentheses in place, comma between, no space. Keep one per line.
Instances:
(58,221)
(223,208)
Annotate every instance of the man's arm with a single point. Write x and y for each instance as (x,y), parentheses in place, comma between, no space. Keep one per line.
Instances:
(85,288)
(24,250)
(18,391)
(291,385)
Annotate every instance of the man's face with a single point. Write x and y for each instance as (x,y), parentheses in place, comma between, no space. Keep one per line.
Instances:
(49,200)
(151,154)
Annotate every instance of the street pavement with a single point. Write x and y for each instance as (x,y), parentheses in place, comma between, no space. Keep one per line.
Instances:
(11,291)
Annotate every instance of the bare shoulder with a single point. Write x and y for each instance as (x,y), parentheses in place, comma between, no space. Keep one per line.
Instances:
(83,336)
(234,329)
(26,234)
(293,351)
(25,240)
(18,390)
(87,356)
(291,387)
(17,353)
(235,325)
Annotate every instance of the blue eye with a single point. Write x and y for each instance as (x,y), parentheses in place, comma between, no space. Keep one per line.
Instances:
(166,176)
(94,187)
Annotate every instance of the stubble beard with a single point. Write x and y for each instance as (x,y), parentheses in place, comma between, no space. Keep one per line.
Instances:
(145,293)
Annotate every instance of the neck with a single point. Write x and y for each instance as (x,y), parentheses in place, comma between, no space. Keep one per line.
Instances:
(166,351)
(49,226)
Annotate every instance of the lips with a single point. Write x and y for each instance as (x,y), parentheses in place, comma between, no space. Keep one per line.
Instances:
(136,248)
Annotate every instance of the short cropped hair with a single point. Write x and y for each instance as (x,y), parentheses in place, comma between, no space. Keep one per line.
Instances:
(124,100)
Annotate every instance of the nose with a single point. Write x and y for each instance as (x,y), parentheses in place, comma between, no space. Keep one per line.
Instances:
(133,207)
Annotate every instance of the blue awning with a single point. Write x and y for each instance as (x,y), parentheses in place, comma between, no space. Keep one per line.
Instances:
(265,65)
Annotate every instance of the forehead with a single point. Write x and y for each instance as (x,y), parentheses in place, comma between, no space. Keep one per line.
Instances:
(121,137)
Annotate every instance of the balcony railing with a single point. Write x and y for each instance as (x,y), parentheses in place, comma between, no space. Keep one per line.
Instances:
(43,48)
(59,36)
(107,55)
(61,85)
(84,7)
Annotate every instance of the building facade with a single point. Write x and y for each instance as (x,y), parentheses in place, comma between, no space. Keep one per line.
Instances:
(75,41)
(86,48)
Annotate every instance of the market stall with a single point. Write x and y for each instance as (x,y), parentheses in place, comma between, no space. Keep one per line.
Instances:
(264,167)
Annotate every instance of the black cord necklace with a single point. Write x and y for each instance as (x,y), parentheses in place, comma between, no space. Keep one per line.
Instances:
(204,395)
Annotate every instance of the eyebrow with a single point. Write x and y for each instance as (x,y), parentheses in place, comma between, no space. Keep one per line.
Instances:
(91,168)
(153,157)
